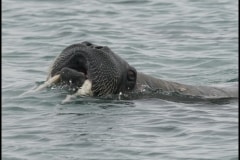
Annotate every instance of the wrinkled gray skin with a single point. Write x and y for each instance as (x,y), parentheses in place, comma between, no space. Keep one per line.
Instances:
(110,74)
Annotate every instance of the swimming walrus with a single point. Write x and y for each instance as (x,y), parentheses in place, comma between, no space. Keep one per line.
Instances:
(97,71)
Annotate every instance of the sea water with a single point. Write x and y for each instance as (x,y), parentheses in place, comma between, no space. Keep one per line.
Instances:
(191,42)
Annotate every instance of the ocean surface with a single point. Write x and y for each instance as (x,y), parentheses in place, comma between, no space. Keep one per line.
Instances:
(187,41)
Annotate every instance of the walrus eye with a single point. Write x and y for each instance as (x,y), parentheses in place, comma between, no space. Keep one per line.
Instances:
(131,76)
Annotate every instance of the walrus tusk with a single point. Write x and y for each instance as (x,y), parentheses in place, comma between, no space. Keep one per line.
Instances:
(52,80)
(85,90)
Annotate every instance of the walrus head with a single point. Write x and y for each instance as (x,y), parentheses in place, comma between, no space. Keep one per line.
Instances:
(107,72)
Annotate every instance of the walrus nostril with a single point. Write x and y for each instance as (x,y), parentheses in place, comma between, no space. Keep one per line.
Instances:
(87,43)
(99,47)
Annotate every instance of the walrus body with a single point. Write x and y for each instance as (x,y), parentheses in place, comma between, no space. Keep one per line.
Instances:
(107,73)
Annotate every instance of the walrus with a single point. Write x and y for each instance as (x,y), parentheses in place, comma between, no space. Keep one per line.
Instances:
(93,70)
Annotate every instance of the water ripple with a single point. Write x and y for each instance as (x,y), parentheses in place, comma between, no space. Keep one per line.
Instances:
(193,42)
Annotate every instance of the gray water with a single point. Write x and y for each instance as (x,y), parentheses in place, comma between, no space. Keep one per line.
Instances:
(191,42)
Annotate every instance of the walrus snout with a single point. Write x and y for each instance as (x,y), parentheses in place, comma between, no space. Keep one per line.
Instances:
(72,77)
